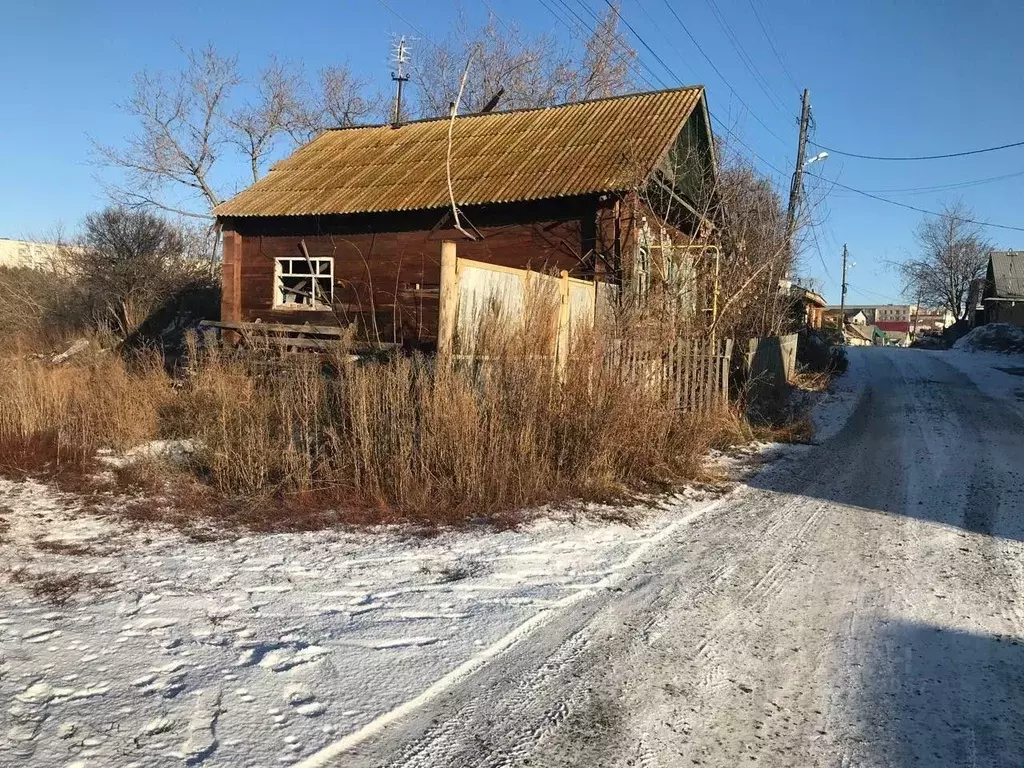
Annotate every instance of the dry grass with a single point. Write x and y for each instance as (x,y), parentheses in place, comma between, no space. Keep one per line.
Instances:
(56,418)
(61,547)
(318,442)
(58,587)
(813,381)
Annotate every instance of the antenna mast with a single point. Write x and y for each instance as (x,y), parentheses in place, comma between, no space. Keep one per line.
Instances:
(401,57)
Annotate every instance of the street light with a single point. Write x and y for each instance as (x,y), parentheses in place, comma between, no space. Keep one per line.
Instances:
(816,158)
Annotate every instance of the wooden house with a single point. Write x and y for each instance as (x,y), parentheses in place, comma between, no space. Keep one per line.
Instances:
(1003,296)
(348,229)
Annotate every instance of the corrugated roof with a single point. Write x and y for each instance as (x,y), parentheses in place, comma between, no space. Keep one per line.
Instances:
(587,147)
(1008,274)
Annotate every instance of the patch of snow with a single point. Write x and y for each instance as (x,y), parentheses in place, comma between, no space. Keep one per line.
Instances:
(833,411)
(179,451)
(996,374)
(993,337)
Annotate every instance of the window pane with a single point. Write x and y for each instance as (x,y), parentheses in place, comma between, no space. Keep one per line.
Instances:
(300,267)
(323,290)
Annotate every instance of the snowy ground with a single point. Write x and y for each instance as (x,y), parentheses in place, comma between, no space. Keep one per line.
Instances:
(997,375)
(261,650)
(857,603)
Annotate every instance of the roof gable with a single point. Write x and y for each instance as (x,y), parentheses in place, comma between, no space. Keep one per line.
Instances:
(587,147)
(1007,274)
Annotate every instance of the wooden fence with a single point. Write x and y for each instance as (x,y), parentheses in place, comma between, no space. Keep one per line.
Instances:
(770,363)
(693,372)
(474,294)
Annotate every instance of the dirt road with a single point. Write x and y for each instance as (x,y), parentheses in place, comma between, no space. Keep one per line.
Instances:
(859,604)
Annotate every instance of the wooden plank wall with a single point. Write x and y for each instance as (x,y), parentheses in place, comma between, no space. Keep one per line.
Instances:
(387,267)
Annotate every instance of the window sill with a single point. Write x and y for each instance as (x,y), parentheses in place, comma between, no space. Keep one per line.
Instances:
(299,308)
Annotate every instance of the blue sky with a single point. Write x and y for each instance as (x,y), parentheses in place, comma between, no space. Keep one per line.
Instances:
(886,77)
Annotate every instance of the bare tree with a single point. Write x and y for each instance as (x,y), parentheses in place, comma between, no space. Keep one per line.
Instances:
(953,254)
(340,100)
(179,137)
(527,70)
(128,261)
(607,61)
(256,124)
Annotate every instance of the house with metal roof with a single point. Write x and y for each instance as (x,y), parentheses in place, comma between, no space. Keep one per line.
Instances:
(1003,297)
(348,230)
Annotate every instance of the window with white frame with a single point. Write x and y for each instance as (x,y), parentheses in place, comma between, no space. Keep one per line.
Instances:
(301,283)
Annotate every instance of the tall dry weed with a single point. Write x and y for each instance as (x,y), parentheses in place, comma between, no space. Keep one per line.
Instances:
(63,415)
(435,440)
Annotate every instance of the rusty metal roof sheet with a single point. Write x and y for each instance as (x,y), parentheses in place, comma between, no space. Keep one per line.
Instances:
(587,147)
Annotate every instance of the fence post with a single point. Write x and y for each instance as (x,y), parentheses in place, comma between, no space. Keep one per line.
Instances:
(448,308)
(726,365)
(564,329)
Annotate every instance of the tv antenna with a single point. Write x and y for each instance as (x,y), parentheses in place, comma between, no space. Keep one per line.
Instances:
(401,58)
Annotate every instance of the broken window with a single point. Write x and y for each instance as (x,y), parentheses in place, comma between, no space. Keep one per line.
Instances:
(301,283)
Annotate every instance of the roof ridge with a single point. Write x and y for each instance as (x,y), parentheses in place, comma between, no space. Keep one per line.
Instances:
(566,105)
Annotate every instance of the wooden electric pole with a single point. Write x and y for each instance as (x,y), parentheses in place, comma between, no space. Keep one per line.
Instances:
(798,173)
(842,300)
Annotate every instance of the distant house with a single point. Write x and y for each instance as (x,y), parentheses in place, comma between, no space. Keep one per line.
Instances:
(808,307)
(348,230)
(860,335)
(930,320)
(896,332)
(1003,297)
(855,317)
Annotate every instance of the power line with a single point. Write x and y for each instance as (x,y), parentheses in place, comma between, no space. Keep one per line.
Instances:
(865,291)
(951,185)
(643,42)
(417,30)
(817,247)
(655,25)
(639,63)
(637,67)
(771,43)
(718,71)
(645,67)
(921,157)
(914,207)
(745,59)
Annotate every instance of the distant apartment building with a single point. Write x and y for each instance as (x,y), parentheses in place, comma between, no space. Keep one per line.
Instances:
(894,313)
(25,253)
(902,318)
(883,313)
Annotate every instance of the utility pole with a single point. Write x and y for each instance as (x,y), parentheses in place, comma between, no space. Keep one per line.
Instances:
(798,173)
(401,58)
(842,301)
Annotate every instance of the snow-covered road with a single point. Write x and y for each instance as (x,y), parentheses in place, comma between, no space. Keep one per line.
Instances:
(859,604)
(856,604)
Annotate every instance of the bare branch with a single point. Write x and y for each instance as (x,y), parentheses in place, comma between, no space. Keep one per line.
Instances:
(179,132)
(255,125)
